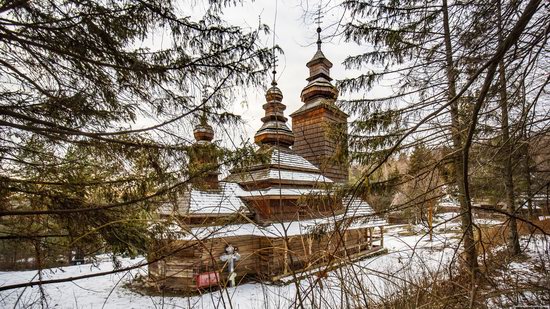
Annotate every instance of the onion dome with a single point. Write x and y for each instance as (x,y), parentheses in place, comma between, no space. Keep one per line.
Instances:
(203,157)
(319,80)
(274,131)
(203,132)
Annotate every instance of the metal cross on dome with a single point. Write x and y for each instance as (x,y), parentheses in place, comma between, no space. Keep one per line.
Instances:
(318,21)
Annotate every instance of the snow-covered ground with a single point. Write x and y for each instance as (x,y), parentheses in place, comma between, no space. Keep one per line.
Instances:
(527,280)
(408,256)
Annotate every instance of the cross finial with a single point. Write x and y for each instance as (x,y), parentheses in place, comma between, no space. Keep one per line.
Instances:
(319,38)
(203,118)
(274,82)
(274,72)
(205,95)
(318,19)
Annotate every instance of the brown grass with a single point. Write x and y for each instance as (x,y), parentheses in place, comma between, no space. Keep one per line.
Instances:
(456,292)
(495,236)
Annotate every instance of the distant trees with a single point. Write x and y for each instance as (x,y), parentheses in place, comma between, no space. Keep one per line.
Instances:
(91,116)
(447,63)
(382,186)
(425,183)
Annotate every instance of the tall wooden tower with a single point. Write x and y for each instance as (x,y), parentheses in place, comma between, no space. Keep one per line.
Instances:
(319,126)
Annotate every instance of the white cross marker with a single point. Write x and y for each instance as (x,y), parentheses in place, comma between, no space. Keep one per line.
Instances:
(230,257)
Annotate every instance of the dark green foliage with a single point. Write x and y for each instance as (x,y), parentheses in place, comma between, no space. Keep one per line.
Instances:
(441,60)
(77,79)
(421,160)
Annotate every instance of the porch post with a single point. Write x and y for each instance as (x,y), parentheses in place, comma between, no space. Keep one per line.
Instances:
(285,256)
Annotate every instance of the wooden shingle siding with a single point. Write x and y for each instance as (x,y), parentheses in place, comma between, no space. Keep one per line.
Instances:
(314,139)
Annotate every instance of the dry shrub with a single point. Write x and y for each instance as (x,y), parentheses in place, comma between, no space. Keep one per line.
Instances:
(495,236)
(496,287)
(426,291)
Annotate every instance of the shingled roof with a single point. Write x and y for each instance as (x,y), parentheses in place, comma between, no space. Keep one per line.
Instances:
(283,165)
(359,215)
(230,198)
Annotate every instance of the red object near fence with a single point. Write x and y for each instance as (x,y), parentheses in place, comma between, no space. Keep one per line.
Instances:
(207,279)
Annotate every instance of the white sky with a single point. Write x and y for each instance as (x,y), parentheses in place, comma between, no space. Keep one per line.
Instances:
(295,33)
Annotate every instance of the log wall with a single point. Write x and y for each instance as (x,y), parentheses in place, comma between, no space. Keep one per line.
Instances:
(291,208)
(261,257)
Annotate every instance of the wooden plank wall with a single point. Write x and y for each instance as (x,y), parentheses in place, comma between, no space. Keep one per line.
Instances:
(263,257)
(295,208)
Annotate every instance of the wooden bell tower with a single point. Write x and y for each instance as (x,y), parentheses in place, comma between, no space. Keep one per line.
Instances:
(319,126)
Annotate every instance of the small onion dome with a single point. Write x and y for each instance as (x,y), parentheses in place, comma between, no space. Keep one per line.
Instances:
(319,80)
(274,94)
(274,130)
(203,132)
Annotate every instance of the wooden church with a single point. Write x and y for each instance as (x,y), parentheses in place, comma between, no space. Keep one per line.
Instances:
(282,216)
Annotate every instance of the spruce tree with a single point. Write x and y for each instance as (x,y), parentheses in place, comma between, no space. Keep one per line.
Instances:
(442,58)
(95,97)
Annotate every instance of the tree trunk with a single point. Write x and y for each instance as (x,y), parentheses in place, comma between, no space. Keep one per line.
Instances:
(525,155)
(430,218)
(512,238)
(528,192)
(470,253)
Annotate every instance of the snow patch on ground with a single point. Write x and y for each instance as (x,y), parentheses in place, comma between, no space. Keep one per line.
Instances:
(408,256)
(524,278)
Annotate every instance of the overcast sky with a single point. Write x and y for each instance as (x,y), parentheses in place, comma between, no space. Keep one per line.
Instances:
(295,33)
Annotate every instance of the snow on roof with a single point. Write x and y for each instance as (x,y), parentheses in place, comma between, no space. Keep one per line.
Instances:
(228,200)
(224,201)
(284,192)
(356,207)
(290,159)
(278,174)
(273,230)
(297,176)
(359,214)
